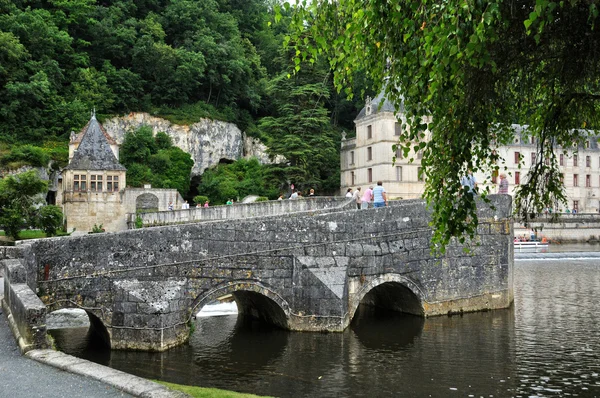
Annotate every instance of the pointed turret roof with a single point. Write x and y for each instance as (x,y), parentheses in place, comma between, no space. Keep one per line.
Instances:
(94,151)
(379,104)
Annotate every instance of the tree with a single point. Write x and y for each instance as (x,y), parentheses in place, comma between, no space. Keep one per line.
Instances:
(475,68)
(300,131)
(19,199)
(154,159)
(237,180)
(50,219)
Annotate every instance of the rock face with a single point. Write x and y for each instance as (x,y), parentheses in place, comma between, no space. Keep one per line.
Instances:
(207,141)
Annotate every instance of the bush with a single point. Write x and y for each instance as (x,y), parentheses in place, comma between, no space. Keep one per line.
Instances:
(25,155)
(50,219)
(262,199)
(200,199)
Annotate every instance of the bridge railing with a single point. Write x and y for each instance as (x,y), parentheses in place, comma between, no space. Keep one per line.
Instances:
(238,211)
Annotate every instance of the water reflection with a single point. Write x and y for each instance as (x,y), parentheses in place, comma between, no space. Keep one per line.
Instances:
(547,345)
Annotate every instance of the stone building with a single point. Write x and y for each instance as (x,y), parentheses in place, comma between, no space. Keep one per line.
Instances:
(368,158)
(92,189)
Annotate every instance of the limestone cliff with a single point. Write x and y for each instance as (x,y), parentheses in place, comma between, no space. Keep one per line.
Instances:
(207,141)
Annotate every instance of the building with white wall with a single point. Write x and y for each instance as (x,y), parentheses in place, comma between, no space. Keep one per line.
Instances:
(92,189)
(368,158)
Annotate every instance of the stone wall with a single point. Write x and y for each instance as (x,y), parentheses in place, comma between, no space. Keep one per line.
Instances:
(305,271)
(569,228)
(239,210)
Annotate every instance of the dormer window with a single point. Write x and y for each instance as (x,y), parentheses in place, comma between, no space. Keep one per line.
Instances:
(368,107)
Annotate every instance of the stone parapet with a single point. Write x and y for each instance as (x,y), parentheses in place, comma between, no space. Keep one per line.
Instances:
(25,311)
(237,211)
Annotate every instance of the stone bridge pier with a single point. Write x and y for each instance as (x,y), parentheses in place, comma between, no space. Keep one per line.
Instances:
(305,271)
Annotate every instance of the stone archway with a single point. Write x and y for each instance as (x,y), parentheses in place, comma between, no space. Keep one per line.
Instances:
(146,203)
(391,291)
(253,299)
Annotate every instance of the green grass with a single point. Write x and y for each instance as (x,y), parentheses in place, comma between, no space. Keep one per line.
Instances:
(202,392)
(33,234)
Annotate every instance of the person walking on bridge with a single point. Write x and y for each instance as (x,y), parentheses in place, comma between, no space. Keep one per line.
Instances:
(367,198)
(357,197)
(379,195)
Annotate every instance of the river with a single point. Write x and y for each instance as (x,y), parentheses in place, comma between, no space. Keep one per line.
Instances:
(547,344)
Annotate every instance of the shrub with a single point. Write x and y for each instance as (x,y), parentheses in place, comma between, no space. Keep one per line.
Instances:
(50,219)
(200,199)
(97,229)
(262,199)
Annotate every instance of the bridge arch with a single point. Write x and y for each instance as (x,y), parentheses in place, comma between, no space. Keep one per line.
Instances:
(253,299)
(391,291)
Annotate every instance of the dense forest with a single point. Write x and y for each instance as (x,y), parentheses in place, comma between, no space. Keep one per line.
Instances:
(181,60)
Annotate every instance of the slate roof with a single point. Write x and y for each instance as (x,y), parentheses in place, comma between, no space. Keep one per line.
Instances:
(380,104)
(94,151)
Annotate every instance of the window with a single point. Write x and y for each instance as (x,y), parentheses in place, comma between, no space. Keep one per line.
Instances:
(397,129)
(351,178)
(495,177)
(420,154)
(96,183)
(588,180)
(575,206)
(532,140)
(115,183)
(562,178)
(562,159)
(517,157)
(109,185)
(83,183)
(420,175)
(369,153)
(399,154)
(351,158)
(575,160)
(76,182)
(370,175)
(533,158)
(575,180)
(517,177)
(587,144)
(369,132)
(398,173)
(588,161)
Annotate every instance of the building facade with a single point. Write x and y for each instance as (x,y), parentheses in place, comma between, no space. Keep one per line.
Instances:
(92,188)
(369,157)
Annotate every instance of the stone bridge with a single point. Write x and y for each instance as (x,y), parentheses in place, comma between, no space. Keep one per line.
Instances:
(305,271)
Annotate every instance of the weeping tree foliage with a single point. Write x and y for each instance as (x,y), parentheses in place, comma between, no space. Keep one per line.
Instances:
(475,67)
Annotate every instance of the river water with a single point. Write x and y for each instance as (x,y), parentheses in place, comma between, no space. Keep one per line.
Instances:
(546,345)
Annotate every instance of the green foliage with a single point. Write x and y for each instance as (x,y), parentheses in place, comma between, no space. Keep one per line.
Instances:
(19,199)
(237,180)
(139,223)
(262,199)
(154,160)
(300,131)
(475,69)
(200,199)
(97,229)
(50,219)
(25,155)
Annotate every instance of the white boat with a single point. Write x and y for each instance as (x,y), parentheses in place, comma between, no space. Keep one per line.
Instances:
(531,246)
